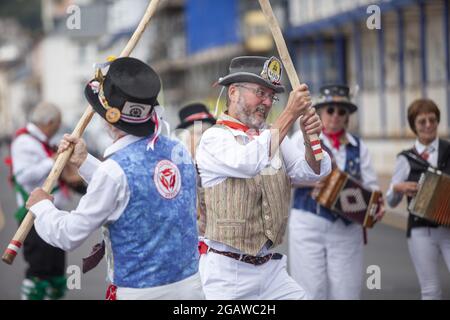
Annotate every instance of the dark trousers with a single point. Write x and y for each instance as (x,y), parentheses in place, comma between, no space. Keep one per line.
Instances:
(44,261)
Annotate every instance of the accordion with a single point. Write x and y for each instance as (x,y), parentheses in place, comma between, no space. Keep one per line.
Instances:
(347,197)
(432,201)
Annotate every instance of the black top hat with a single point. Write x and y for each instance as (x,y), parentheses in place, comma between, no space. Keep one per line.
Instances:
(335,94)
(126,96)
(261,70)
(194,112)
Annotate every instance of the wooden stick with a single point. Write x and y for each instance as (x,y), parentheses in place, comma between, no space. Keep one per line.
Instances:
(26,225)
(288,65)
(2,218)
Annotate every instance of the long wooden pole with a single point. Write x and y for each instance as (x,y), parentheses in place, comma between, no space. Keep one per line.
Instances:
(61,161)
(288,65)
(2,218)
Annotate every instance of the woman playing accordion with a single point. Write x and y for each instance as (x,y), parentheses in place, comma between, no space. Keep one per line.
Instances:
(326,248)
(426,238)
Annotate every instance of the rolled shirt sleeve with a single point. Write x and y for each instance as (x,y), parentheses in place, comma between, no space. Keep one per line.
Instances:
(298,169)
(401,173)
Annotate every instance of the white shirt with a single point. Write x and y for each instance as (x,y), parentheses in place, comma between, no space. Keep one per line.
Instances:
(104,202)
(31,164)
(368,174)
(402,169)
(219,156)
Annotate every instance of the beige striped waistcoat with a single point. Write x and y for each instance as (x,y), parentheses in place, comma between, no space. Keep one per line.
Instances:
(246,213)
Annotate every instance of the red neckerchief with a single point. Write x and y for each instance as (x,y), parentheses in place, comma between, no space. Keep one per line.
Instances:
(425,155)
(239,126)
(335,138)
(49,150)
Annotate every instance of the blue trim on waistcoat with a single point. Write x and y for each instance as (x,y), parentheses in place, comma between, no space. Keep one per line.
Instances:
(302,196)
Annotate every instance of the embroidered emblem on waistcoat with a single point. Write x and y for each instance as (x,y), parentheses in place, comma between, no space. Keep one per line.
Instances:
(167,179)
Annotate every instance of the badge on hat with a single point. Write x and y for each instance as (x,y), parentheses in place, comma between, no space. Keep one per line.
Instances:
(136,112)
(112,115)
(272,70)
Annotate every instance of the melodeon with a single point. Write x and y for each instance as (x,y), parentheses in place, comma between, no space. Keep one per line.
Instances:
(347,197)
(432,201)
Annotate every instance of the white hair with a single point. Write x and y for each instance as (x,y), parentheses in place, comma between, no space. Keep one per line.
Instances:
(44,112)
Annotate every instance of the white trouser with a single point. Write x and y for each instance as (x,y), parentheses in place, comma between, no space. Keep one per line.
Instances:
(425,246)
(186,289)
(325,258)
(225,278)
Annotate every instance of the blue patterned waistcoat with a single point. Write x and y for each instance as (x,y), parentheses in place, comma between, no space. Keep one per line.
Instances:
(302,196)
(154,242)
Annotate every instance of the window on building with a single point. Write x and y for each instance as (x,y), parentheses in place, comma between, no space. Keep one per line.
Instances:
(435,44)
(319,63)
(306,65)
(330,63)
(370,59)
(390,28)
(412,48)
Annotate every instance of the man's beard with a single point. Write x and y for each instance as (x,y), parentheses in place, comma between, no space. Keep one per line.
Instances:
(249,118)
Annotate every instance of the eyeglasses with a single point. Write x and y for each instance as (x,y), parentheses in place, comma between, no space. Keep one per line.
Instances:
(260,93)
(423,122)
(340,111)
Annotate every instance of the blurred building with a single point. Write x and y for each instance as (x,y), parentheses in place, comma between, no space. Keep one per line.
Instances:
(332,41)
(406,59)
(189,42)
(69,53)
(196,40)
(19,76)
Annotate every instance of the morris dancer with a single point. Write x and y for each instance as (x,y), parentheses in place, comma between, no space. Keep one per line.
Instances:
(246,170)
(144,201)
(426,240)
(326,250)
(31,160)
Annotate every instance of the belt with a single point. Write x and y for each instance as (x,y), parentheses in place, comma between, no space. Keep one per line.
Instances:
(257,261)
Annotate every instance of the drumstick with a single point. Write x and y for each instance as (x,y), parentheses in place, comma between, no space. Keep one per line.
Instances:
(289,66)
(27,223)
